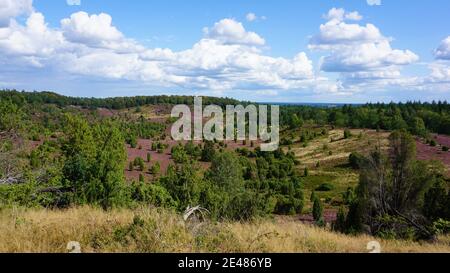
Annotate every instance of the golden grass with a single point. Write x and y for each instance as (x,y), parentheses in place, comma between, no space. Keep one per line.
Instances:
(154,230)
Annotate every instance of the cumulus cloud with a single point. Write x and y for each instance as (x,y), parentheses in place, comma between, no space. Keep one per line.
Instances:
(94,29)
(374,2)
(228,57)
(12,8)
(338,15)
(360,53)
(229,31)
(443,51)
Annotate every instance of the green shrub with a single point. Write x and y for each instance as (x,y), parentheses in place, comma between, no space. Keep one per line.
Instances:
(347,134)
(433,143)
(325,187)
(318,211)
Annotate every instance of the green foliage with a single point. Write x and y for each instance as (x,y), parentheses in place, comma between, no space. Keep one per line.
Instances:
(392,189)
(156,169)
(11,115)
(179,154)
(184,183)
(441,226)
(208,151)
(340,225)
(95,157)
(295,122)
(436,201)
(150,193)
(325,187)
(306,172)
(139,162)
(313,196)
(347,134)
(355,159)
(318,211)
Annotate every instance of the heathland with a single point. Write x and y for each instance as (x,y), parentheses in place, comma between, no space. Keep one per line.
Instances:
(106,173)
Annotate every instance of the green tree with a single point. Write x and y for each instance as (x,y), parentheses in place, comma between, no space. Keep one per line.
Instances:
(295,122)
(340,224)
(94,160)
(138,161)
(226,171)
(318,211)
(156,169)
(208,151)
(184,183)
(392,189)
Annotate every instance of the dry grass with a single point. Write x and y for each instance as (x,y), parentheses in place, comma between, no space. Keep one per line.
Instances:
(153,230)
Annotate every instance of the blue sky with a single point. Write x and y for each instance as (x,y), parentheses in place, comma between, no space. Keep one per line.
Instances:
(284,51)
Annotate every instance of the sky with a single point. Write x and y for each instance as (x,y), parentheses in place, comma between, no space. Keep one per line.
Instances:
(327,51)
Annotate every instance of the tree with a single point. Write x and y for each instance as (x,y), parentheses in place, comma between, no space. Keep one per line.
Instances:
(435,201)
(226,171)
(347,134)
(295,122)
(208,151)
(340,224)
(391,190)
(355,160)
(156,169)
(185,185)
(138,161)
(318,211)
(149,157)
(11,116)
(95,158)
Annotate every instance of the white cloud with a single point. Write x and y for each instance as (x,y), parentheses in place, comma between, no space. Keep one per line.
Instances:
(31,43)
(92,30)
(338,15)
(361,54)
(443,51)
(251,17)
(229,31)
(374,2)
(10,9)
(73,2)
(228,57)
(357,49)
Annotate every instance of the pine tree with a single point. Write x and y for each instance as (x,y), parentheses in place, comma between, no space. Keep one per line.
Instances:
(340,225)
(318,211)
